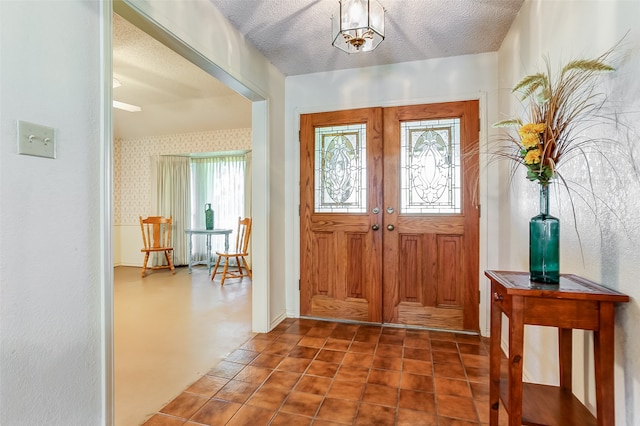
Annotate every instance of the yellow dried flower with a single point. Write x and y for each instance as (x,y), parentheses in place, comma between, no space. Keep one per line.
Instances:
(532,128)
(532,156)
(530,140)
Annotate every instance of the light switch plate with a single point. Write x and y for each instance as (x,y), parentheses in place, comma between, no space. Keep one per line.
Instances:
(36,139)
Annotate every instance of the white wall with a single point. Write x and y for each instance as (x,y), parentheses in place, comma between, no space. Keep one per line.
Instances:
(200,25)
(582,29)
(437,80)
(50,215)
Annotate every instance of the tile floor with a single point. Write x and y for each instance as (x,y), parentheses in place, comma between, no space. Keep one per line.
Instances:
(321,373)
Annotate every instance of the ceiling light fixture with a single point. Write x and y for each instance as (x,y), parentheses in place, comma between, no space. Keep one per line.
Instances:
(359,27)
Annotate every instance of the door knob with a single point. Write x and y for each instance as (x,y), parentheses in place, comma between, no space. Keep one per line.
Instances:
(375,227)
(390,227)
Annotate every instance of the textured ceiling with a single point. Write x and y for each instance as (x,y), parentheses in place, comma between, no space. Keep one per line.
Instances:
(295,35)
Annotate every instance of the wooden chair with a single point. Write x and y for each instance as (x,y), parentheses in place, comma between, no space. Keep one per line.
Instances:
(240,253)
(156,237)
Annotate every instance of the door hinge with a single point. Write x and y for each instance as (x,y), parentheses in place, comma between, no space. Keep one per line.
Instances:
(298,209)
(479,123)
(299,136)
(479,210)
(479,297)
(299,287)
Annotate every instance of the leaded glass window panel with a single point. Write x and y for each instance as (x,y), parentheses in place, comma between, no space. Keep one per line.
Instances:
(430,167)
(340,169)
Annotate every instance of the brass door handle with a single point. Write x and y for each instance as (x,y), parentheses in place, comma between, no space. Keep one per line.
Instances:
(390,227)
(375,227)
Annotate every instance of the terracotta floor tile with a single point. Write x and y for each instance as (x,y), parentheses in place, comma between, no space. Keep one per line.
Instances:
(297,365)
(446,386)
(256,345)
(163,420)
(416,382)
(226,369)
(249,415)
(322,368)
(480,375)
(236,391)
(279,348)
(319,332)
(304,404)
(313,384)
(379,415)
(389,351)
(415,400)
(283,379)
(444,346)
(216,412)
(337,410)
(267,360)
(337,344)
(346,390)
(416,366)
(351,373)
(288,419)
(207,385)
(303,352)
(330,356)
(453,371)
(269,397)
(467,348)
(391,339)
(242,356)
(456,407)
(362,347)
(253,374)
(184,405)
(413,418)
(417,353)
(380,395)
(384,377)
(442,335)
(321,373)
(477,361)
(385,363)
(312,342)
(417,342)
(289,338)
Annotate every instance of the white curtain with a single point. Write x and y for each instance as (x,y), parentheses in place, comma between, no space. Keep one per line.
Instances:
(174,199)
(219,181)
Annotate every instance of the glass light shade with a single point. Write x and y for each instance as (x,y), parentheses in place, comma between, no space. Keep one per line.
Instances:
(360,26)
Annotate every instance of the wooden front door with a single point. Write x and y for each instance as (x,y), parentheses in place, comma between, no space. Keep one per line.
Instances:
(388,215)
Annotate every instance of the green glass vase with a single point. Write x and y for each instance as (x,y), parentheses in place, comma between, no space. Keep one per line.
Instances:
(544,243)
(208,216)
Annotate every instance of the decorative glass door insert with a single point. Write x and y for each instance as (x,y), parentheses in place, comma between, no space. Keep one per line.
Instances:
(340,172)
(430,164)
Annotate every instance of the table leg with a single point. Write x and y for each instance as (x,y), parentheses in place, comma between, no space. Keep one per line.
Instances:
(226,243)
(565,346)
(495,354)
(516,350)
(209,253)
(189,251)
(603,362)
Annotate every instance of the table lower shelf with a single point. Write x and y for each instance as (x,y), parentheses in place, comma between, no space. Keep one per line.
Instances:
(549,406)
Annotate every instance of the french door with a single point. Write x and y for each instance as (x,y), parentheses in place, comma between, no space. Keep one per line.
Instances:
(388,215)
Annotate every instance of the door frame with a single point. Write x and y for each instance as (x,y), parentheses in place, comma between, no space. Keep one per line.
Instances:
(293,294)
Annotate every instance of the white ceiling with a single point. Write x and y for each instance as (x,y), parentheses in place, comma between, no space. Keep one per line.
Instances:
(295,35)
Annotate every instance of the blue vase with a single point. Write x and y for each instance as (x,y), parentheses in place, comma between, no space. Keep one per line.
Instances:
(208,216)
(544,243)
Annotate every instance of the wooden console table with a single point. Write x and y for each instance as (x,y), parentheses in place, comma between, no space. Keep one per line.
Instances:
(574,303)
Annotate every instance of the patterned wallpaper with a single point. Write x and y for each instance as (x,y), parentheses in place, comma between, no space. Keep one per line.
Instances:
(132,165)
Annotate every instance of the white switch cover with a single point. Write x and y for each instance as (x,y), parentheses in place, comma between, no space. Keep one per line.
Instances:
(35,139)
